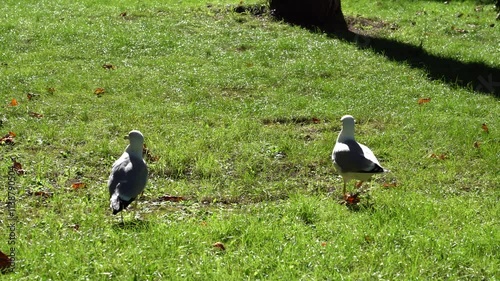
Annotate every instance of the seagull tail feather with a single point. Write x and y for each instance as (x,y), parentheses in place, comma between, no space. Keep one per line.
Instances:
(115,203)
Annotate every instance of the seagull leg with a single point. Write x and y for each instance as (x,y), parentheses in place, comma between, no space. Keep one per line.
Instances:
(345,190)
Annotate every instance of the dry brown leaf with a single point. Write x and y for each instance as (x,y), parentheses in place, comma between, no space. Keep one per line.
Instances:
(44,194)
(485,128)
(13,102)
(459,30)
(219,245)
(8,139)
(390,184)
(352,199)
(108,66)
(146,152)
(477,144)
(5,262)
(423,100)
(18,168)
(99,91)
(440,156)
(34,114)
(32,96)
(368,239)
(78,185)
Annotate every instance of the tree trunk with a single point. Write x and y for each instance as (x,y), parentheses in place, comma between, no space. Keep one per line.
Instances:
(325,14)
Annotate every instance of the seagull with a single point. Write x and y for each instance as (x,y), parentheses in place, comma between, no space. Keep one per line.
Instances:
(129,174)
(351,159)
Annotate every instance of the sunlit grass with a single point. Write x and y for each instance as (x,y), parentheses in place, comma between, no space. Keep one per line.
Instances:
(242,113)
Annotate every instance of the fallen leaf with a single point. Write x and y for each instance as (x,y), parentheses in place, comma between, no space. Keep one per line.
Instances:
(477,144)
(171,198)
(78,185)
(34,114)
(108,66)
(352,199)
(99,91)
(8,139)
(32,96)
(459,30)
(14,102)
(423,100)
(43,194)
(18,168)
(440,156)
(390,184)
(219,245)
(485,128)
(146,152)
(5,262)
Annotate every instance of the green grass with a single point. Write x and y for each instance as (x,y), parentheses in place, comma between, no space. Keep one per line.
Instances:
(227,102)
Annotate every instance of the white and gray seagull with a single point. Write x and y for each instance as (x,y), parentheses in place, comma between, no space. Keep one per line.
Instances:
(351,159)
(129,174)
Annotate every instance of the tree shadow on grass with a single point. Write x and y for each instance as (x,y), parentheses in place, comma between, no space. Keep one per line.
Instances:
(476,76)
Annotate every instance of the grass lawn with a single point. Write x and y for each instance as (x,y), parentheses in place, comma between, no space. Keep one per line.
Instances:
(240,114)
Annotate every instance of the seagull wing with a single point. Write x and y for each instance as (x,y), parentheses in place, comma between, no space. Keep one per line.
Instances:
(127,179)
(352,157)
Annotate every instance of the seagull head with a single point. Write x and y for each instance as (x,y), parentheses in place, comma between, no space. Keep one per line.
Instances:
(347,132)
(136,140)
